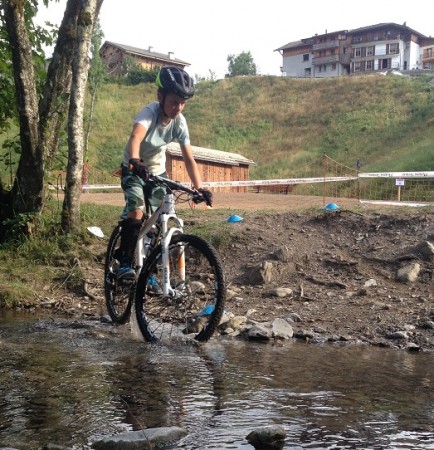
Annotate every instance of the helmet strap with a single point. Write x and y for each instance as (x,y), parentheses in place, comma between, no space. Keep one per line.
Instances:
(162,101)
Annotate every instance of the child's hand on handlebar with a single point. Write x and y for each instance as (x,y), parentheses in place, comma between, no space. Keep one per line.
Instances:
(139,168)
(207,196)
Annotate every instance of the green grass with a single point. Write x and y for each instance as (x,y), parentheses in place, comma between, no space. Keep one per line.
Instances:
(285,125)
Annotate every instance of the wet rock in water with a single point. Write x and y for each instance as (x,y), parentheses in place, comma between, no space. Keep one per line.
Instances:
(267,438)
(150,438)
(273,329)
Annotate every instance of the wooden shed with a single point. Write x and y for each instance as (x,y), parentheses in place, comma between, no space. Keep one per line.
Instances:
(114,55)
(214,165)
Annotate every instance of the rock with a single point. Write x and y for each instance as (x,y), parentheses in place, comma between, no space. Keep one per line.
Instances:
(261,274)
(425,250)
(267,438)
(428,325)
(151,438)
(259,331)
(408,273)
(412,347)
(397,335)
(281,292)
(281,329)
(282,254)
(294,317)
(234,323)
(230,293)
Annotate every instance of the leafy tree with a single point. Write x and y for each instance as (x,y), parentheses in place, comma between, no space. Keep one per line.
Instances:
(97,76)
(42,107)
(136,74)
(241,64)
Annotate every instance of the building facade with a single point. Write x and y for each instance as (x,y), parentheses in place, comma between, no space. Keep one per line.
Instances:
(376,48)
(114,57)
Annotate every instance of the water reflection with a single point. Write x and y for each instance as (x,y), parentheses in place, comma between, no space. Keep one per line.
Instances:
(68,383)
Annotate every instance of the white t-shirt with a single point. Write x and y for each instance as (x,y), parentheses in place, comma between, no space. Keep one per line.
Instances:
(153,146)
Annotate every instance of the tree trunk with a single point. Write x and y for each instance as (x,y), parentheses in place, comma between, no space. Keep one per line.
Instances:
(40,125)
(71,220)
(28,188)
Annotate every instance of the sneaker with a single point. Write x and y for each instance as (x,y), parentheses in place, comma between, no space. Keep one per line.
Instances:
(125,272)
(153,286)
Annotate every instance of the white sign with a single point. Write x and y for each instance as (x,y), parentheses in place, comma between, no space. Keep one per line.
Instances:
(400,182)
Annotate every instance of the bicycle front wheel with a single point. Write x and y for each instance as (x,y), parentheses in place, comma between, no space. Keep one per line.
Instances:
(195,305)
(118,297)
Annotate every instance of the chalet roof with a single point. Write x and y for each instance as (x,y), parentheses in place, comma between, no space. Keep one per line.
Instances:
(309,41)
(149,53)
(296,44)
(380,26)
(209,154)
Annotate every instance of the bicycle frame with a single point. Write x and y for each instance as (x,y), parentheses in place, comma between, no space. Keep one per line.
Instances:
(159,221)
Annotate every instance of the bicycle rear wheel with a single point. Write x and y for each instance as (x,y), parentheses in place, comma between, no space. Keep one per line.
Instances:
(118,297)
(197,280)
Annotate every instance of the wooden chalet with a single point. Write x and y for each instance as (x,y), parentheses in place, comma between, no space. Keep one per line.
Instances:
(114,55)
(213,165)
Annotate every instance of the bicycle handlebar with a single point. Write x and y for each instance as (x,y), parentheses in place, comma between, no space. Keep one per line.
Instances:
(196,196)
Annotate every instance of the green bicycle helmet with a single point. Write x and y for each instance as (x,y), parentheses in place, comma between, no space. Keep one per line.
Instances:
(175,80)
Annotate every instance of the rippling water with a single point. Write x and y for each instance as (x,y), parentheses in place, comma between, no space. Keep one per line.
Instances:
(69,383)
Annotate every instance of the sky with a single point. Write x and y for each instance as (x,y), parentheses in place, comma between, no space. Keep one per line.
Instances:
(204,33)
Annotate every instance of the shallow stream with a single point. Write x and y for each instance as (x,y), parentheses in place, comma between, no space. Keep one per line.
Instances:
(69,382)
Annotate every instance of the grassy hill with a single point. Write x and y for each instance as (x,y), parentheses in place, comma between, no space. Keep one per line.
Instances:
(285,124)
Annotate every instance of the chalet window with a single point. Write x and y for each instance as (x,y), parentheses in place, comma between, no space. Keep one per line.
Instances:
(358,52)
(370,50)
(306,57)
(393,48)
(370,65)
(357,67)
(334,66)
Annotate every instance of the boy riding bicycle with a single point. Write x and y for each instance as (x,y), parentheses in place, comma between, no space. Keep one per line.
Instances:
(155,126)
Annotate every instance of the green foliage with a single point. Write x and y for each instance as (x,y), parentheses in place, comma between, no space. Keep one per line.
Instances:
(285,125)
(241,64)
(40,37)
(136,74)
(97,73)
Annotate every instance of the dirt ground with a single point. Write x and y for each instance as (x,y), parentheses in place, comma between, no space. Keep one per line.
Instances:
(341,266)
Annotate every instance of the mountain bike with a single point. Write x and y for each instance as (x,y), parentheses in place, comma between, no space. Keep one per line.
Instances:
(180,284)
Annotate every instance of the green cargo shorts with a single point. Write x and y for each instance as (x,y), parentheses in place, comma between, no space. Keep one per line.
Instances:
(139,193)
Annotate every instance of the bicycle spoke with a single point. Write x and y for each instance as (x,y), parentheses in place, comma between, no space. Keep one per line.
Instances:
(118,296)
(195,305)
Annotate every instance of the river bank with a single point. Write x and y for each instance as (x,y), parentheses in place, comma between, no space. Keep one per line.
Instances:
(352,275)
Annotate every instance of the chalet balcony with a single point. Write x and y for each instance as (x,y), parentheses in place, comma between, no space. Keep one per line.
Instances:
(374,55)
(375,39)
(428,56)
(325,45)
(325,59)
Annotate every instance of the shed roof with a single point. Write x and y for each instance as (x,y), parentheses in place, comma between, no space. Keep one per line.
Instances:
(209,154)
(149,53)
